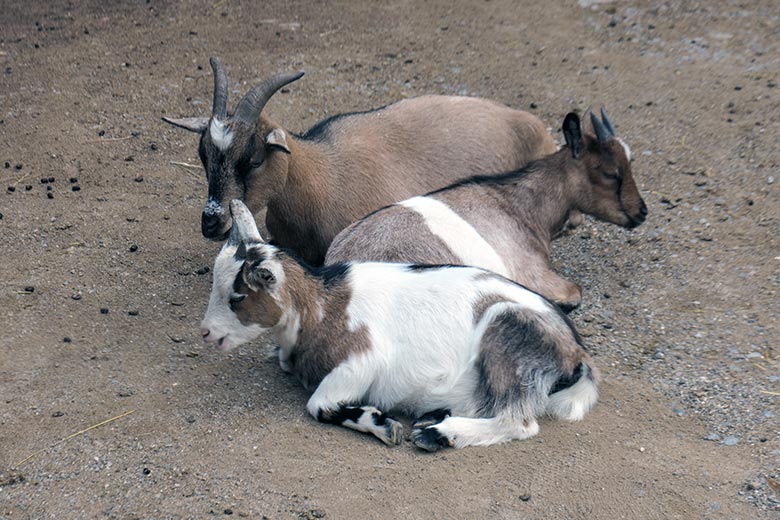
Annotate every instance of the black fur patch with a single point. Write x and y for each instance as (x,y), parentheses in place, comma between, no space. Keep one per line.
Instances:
(341,414)
(379,418)
(426,267)
(430,439)
(498,179)
(565,381)
(321,130)
(434,416)
(332,275)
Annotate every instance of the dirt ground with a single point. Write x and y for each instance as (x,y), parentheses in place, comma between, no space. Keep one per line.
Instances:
(102,289)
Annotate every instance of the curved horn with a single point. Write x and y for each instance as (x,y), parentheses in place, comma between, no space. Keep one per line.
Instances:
(252,103)
(219,109)
(243,223)
(607,122)
(601,132)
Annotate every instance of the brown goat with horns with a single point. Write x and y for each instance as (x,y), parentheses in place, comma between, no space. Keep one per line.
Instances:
(315,184)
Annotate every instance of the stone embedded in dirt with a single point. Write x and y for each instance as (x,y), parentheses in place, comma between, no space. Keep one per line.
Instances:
(101,133)
(731,441)
(29,289)
(228,511)
(57,414)
(140,178)
(712,436)
(28,187)
(129,158)
(525,497)
(753,485)
(153,146)
(132,313)
(103,310)
(133,248)
(203,270)
(146,471)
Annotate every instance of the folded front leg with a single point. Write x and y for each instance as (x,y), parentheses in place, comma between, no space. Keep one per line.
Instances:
(334,402)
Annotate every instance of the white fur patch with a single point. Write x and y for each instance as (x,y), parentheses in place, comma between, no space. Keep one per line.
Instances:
(220,320)
(460,236)
(213,207)
(625,147)
(574,402)
(220,134)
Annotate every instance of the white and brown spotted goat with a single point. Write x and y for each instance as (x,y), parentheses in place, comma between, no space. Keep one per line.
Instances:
(474,356)
(316,184)
(505,222)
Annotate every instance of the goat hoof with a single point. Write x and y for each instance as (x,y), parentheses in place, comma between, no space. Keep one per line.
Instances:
(431,418)
(429,439)
(568,306)
(394,432)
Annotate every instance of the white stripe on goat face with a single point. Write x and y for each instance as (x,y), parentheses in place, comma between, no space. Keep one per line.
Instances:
(460,236)
(220,320)
(625,148)
(221,135)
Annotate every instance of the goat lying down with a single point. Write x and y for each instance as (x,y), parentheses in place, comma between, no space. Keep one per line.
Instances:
(505,222)
(316,184)
(476,358)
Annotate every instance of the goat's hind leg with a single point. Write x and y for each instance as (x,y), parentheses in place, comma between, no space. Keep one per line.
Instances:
(459,432)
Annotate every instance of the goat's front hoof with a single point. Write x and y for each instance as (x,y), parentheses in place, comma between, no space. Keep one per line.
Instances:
(568,306)
(394,432)
(429,439)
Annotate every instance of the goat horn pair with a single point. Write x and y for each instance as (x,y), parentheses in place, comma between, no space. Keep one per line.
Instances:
(244,226)
(252,103)
(604,130)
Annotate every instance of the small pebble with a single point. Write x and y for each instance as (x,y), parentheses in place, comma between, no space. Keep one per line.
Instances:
(129,158)
(153,146)
(133,248)
(712,436)
(132,313)
(203,270)
(11,189)
(29,289)
(228,511)
(75,296)
(103,310)
(533,105)
(50,195)
(753,485)
(57,414)
(140,178)
(146,471)
(66,339)
(101,133)
(731,441)
(525,497)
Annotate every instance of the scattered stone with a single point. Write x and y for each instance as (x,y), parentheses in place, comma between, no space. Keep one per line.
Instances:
(228,511)
(101,133)
(153,146)
(27,187)
(525,497)
(712,436)
(11,189)
(133,248)
(753,485)
(75,187)
(533,105)
(146,471)
(73,180)
(29,289)
(659,354)
(18,166)
(48,188)
(52,179)
(66,339)
(140,178)
(132,313)
(103,310)
(57,414)
(50,195)
(44,180)
(7,165)
(75,296)
(203,270)
(731,441)
(129,158)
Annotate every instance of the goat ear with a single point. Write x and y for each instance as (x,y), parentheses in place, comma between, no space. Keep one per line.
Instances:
(278,139)
(259,277)
(193,124)
(573,134)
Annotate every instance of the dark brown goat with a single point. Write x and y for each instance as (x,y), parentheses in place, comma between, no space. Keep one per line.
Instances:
(505,223)
(316,184)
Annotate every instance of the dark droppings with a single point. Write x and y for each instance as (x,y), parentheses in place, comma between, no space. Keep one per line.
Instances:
(104,310)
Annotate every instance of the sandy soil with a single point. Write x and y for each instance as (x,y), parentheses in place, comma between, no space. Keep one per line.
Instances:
(102,289)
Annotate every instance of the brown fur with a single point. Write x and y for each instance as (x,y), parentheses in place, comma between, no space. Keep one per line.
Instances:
(359,163)
(517,214)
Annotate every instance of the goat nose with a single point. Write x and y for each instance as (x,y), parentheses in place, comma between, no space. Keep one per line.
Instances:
(209,225)
(204,332)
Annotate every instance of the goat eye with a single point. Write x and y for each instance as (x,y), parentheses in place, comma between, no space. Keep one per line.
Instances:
(235,298)
(256,164)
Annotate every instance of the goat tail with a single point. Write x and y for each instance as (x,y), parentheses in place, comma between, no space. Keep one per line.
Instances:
(573,396)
